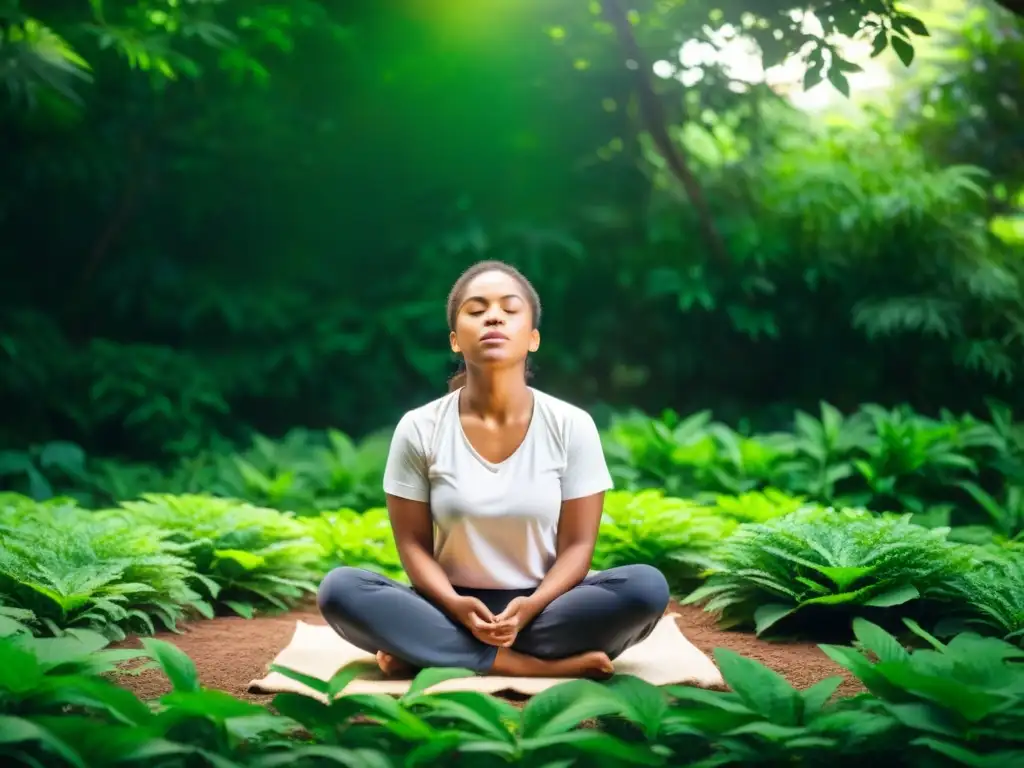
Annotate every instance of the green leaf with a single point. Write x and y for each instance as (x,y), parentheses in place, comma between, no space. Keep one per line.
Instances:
(485,715)
(216,705)
(248,560)
(903,49)
(817,696)
(839,80)
(341,679)
(911,23)
(643,703)
(315,683)
(895,596)
(595,742)
(763,690)
(960,755)
(768,615)
(878,641)
(813,76)
(174,662)
(428,678)
(566,705)
(15,730)
(971,703)
(316,754)
(245,610)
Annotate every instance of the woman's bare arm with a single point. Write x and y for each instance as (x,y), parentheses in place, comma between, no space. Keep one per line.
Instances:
(578,525)
(414,537)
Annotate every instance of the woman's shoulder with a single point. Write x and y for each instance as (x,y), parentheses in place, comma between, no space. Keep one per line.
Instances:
(423,418)
(561,413)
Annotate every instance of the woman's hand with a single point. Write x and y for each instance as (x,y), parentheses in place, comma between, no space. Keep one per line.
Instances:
(517,614)
(478,619)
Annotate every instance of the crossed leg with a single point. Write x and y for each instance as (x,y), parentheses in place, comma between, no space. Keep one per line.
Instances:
(578,634)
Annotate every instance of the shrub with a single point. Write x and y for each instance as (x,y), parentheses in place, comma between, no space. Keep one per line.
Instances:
(308,471)
(838,561)
(963,701)
(673,534)
(58,709)
(245,556)
(988,599)
(957,704)
(62,567)
(875,458)
(361,540)
(757,506)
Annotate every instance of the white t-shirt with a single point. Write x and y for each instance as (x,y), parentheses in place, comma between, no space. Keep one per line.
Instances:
(495,525)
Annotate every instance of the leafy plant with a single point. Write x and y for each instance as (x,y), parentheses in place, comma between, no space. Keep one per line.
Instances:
(62,567)
(840,562)
(58,708)
(822,451)
(362,540)
(245,556)
(988,599)
(757,506)
(34,465)
(963,701)
(308,472)
(675,535)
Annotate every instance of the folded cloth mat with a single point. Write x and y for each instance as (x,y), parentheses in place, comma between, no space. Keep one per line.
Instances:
(666,657)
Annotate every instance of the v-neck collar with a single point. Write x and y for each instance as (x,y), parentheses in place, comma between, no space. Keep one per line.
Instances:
(494,466)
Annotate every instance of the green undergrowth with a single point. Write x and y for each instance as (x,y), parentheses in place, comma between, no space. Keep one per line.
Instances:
(760,560)
(960,703)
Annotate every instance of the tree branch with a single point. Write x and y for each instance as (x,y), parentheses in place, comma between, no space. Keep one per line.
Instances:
(653,114)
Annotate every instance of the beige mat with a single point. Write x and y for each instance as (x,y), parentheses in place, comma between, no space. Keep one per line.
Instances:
(666,657)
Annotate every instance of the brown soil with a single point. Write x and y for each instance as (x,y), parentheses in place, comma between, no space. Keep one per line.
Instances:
(231,651)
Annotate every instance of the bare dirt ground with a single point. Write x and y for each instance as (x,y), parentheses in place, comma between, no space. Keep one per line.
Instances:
(231,651)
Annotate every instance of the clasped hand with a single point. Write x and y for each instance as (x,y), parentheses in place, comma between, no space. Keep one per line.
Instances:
(501,629)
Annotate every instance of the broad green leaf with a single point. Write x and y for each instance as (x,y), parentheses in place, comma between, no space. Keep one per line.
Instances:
(768,615)
(596,742)
(845,577)
(175,664)
(16,730)
(566,705)
(895,596)
(878,641)
(765,691)
(971,703)
(216,705)
(341,679)
(817,696)
(963,756)
(475,710)
(428,678)
(315,683)
(643,703)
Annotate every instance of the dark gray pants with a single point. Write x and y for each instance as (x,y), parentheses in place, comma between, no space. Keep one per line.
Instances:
(608,611)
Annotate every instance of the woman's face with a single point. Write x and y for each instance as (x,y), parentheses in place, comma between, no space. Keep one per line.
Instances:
(494,322)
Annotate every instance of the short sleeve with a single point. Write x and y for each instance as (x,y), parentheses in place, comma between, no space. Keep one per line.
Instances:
(405,474)
(586,471)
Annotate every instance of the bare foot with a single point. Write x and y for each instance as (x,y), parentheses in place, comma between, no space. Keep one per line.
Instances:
(392,667)
(594,664)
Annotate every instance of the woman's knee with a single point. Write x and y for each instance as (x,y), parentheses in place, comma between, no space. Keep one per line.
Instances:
(339,587)
(645,589)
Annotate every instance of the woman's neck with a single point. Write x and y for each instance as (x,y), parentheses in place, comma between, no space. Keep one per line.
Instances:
(500,396)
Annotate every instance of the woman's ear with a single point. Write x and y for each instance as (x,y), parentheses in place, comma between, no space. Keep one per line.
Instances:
(534,340)
(454,343)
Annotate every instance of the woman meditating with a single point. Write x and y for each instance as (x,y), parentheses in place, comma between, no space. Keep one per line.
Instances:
(495,494)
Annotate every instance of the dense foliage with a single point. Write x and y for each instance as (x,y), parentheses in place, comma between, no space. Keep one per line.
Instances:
(955,704)
(882,514)
(231,226)
(264,205)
